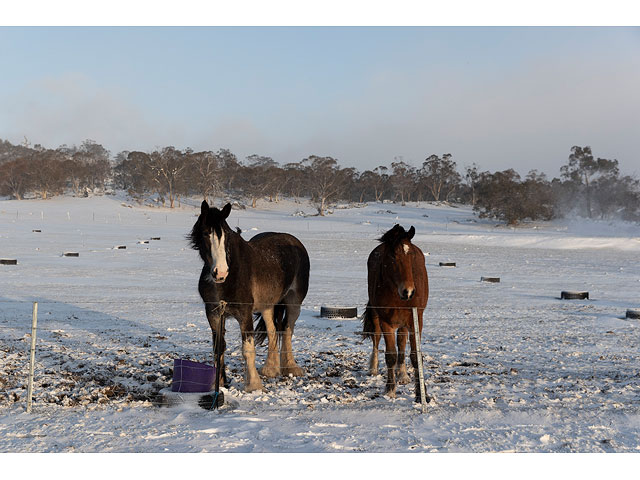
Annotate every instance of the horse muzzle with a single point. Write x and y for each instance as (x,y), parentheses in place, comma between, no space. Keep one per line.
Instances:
(218,277)
(406,293)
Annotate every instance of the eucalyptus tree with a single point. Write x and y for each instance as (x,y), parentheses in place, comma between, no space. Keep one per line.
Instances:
(15,178)
(440,176)
(205,173)
(582,169)
(326,181)
(256,176)
(402,179)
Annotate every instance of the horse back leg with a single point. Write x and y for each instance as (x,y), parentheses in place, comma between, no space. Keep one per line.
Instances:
(288,365)
(401,365)
(271,367)
(375,339)
(391,357)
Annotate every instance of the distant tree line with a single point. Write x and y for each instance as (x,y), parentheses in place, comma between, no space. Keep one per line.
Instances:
(587,186)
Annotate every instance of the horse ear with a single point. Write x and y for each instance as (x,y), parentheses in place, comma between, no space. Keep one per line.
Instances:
(226,210)
(204,207)
(411,232)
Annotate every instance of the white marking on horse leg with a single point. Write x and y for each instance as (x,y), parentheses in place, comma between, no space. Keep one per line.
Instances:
(271,367)
(402,377)
(373,362)
(251,378)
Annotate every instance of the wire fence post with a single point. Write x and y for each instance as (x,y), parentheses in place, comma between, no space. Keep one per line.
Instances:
(32,364)
(420,372)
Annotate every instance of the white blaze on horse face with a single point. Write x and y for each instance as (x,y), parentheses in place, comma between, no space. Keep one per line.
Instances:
(219,267)
(406,289)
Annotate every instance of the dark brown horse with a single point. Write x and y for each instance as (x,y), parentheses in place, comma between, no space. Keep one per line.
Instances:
(397,280)
(268,275)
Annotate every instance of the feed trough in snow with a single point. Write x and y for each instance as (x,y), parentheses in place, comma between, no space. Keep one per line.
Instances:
(490,279)
(70,254)
(338,312)
(570,295)
(447,264)
(8,261)
(633,313)
(192,377)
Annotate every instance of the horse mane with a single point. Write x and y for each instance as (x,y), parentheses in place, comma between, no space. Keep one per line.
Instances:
(395,235)
(194,237)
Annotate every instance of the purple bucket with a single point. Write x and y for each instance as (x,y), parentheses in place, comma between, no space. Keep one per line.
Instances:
(191,377)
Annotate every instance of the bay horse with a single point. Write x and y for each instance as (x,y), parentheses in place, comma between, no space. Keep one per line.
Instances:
(268,275)
(397,281)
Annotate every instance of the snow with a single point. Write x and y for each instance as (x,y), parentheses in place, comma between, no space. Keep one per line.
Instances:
(511,367)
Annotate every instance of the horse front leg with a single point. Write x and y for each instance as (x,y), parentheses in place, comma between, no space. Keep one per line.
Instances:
(271,367)
(214,318)
(375,338)
(401,366)
(252,380)
(391,357)
(288,364)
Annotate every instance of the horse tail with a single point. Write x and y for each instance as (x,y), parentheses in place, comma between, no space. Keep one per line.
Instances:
(260,330)
(278,317)
(367,322)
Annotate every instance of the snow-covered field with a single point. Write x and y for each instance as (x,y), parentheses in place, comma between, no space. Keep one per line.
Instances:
(510,366)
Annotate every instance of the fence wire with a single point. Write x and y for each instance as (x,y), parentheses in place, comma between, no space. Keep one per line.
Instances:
(68,377)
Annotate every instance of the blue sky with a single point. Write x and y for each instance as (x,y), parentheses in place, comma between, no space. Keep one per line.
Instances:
(500,97)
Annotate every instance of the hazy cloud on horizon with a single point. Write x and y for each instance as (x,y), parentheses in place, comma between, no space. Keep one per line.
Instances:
(502,98)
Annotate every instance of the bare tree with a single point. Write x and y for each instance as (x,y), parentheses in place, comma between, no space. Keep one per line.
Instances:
(294,173)
(133,173)
(205,173)
(374,182)
(276,182)
(169,165)
(229,167)
(326,181)
(255,176)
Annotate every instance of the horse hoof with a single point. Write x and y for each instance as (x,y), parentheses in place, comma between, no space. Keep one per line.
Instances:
(269,372)
(373,373)
(252,387)
(404,380)
(295,371)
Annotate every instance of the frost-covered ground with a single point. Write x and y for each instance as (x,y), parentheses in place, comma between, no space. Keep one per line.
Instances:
(511,367)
